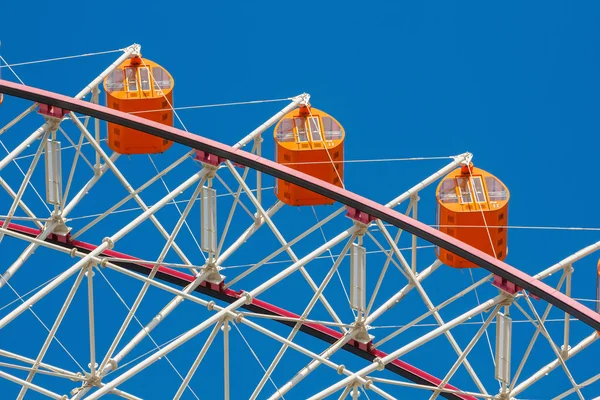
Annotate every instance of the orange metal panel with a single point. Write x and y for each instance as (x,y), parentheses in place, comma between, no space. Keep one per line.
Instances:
(319,156)
(315,163)
(479,224)
(144,99)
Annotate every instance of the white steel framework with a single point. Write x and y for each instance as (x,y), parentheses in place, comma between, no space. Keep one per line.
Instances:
(182,283)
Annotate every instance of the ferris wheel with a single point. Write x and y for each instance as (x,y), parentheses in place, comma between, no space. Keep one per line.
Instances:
(139,260)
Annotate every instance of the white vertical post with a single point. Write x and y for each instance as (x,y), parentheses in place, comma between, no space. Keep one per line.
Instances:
(90,280)
(358,277)
(208,221)
(565,346)
(503,348)
(355,392)
(225,329)
(53,172)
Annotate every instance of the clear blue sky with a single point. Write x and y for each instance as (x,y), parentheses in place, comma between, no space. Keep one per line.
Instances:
(514,83)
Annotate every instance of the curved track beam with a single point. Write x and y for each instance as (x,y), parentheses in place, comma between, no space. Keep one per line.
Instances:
(495,266)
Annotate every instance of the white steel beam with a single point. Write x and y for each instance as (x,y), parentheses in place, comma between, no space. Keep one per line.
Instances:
(167,349)
(304,372)
(18,357)
(555,349)
(282,241)
(544,371)
(428,181)
(126,184)
(428,388)
(42,129)
(145,331)
(581,385)
(339,368)
(568,261)
(303,317)
(90,281)
(410,346)
(21,203)
(31,386)
(49,228)
(283,248)
(395,299)
(23,186)
(18,118)
(225,329)
(107,242)
(199,328)
(39,132)
(247,233)
(151,275)
(386,265)
(412,279)
(130,195)
(300,99)
(534,338)
(435,309)
(236,200)
(52,332)
(197,361)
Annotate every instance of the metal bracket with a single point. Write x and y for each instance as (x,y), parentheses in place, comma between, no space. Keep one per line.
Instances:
(359,216)
(505,285)
(364,346)
(60,238)
(208,158)
(51,111)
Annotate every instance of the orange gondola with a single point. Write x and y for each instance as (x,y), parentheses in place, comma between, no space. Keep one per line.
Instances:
(310,141)
(472,206)
(143,88)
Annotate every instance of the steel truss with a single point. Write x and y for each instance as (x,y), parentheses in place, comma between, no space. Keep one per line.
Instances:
(213,172)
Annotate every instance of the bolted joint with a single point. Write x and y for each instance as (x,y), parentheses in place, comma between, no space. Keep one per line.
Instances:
(113,364)
(90,271)
(569,269)
(78,375)
(368,384)
(465,158)
(340,369)
(380,364)
(109,242)
(305,99)
(103,263)
(248,297)
(136,49)
(238,318)
(73,252)
(210,305)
